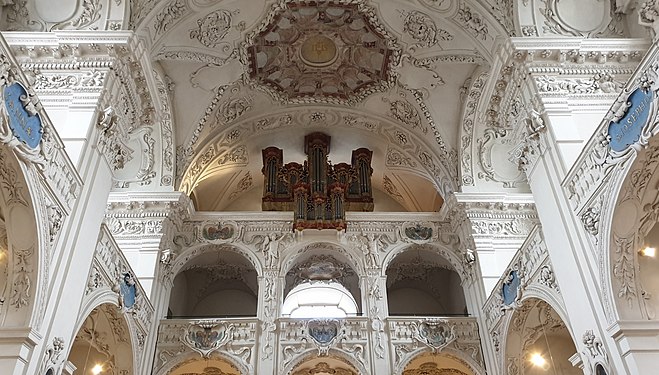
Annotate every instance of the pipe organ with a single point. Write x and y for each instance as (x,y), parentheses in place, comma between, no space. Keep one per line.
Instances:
(318,192)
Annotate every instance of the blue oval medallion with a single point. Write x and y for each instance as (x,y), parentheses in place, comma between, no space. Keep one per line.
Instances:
(27,128)
(510,287)
(628,130)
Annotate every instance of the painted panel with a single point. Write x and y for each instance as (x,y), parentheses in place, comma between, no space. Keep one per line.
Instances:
(23,121)
(510,287)
(627,130)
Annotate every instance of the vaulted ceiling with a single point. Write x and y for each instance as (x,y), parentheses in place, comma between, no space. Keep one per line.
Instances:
(386,75)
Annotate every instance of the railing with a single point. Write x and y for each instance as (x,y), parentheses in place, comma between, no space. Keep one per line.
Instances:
(457,334)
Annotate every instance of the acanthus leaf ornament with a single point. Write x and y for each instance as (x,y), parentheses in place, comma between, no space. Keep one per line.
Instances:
(212,29)
(422,29)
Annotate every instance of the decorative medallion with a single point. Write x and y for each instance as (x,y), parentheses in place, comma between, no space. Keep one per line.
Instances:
(318,51)
(322,51)
(128,290)
(417,232)
(510,289)
(24,120)
(218,232)
(324,333)
(205,337)
(435,333)
(629,119)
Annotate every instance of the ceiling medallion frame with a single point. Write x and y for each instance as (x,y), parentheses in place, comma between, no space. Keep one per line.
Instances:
(356,55)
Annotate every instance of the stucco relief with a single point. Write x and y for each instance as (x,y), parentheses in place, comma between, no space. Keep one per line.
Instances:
(22,15)
(601,21)
(215,26)
(291,70)
(422,29)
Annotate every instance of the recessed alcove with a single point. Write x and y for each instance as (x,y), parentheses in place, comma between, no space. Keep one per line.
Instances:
(215,284)
(420,282)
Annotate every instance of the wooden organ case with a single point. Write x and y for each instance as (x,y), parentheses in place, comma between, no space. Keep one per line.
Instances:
(318,192)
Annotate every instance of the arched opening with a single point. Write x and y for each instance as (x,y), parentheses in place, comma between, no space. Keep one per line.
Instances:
(421,282)
(103,343)
(215,284)
(322,298)
(634,230)
(538,341)
(211,366)
(321,286)
(330,364)
(437,364)
(19,245)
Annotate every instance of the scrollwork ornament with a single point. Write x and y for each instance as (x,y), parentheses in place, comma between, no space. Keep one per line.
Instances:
(421,27)
(434,333)
(590,219)
(214,27)
(205,337)
(593,351)
(548,278)
(324,333)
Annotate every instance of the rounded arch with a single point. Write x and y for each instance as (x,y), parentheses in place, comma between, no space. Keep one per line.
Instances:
(458,359)
(305,249)
(416,155)
(216,359)
(626,229)
(189,254)
(536,330)
(312,354)
(422,281)
(320,264)
(96,298)
(24,245)
(104,341)
(440,250)
(202,285)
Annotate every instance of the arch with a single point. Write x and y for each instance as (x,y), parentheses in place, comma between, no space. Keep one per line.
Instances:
(303,250)
(441,250)
(192,252)
(300,264)
(189,358)
(24,254)
(206,281)
(535,328)
(311,354)
(431,166)
(456,355)
(104,339)
(626,228)
(423,282)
